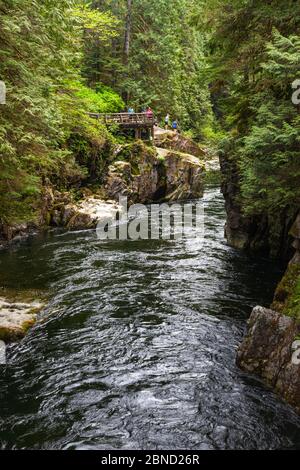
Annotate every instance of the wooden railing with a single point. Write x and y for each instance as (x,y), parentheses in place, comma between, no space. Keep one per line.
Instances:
(130,120)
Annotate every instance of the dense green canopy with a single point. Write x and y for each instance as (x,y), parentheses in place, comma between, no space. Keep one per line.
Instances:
(224,69)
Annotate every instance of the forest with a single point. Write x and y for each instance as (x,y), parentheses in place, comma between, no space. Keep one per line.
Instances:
(117,331)
(227,86)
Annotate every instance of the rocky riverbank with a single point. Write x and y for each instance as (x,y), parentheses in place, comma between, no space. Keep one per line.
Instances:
(260,233)
(16,318)
(270,348)
(142,173)
(160,175)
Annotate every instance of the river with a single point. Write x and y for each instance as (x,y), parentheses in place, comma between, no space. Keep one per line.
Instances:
(136,348)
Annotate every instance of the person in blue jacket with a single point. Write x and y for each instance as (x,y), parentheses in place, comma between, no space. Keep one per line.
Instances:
(175,125)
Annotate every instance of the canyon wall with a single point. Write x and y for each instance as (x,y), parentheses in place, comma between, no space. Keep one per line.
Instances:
(142,173)
(271,347)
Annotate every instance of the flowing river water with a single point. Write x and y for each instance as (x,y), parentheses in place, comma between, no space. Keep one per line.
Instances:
(136,348)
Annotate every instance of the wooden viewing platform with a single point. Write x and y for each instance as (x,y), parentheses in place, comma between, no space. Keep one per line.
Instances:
(136,121)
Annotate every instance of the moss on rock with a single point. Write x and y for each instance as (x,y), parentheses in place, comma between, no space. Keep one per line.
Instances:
(287,295)
(16,319)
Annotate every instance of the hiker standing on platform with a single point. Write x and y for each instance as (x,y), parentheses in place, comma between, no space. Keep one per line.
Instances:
(175,126)
(149,113)
(167,121)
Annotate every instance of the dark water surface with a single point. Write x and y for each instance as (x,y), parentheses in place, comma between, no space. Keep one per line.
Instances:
(136,349)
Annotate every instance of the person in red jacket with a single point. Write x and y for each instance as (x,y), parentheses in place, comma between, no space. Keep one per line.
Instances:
(149,112)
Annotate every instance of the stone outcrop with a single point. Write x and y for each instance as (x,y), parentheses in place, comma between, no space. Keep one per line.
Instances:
(155,174)
(176,141)
(271,350)
(136,175)
(87,213)
(255,233)
(143,173)
(184,176)
(16,318)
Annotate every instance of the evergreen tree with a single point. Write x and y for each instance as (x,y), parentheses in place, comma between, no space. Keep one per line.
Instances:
(156,59)
(252,61)
(40,56)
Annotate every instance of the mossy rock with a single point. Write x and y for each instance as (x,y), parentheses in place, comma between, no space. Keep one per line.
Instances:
(15,329)
(16,319)
(287,295)
(136,152)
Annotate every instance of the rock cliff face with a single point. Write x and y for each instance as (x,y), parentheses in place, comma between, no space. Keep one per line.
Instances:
(155,174)
(16,318)
(271,351)
(136,173)
(144,174)
(171,141)
(239,230)
(184,176)
(271,348)
(261,233)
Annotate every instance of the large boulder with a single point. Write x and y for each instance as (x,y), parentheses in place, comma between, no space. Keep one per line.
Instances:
(135,175)
(178,142)
(16,318)
(88,213)
(184,176)
(154,174)
(271,351)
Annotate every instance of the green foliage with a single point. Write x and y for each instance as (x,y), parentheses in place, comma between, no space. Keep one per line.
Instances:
(31,63)
(101,100)
(40,56)
(269,153)
(166,57)
(230,61)
(293,306)
(95,25)
(253,59)
(87,139)
(287,296)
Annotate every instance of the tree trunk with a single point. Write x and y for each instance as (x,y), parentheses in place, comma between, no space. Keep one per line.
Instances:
(127,32)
